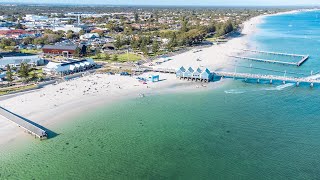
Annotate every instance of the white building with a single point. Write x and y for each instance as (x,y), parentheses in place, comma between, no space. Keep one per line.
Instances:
(15,61)
(33,18)
(67,28)
(70,67)
(89,36)
(2,76)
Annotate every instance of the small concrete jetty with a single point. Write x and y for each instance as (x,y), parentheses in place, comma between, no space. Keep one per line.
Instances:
(304,58)
(29,126)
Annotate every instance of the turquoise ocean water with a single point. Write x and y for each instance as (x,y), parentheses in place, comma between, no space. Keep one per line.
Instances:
(238,131)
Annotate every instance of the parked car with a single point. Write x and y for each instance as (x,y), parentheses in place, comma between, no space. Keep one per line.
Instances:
(124,74)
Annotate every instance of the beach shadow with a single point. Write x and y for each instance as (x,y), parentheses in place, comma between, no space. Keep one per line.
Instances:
(162,80)
(50,133)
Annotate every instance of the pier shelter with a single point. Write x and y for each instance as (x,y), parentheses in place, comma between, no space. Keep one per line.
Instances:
(206,75)
(188,73)
(180,72)
(198,75)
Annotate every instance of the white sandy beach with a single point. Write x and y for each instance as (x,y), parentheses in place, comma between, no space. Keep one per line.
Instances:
(55,103)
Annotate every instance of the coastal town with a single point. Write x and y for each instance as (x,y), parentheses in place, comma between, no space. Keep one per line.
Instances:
(40,47)
(159,90)
(57,57)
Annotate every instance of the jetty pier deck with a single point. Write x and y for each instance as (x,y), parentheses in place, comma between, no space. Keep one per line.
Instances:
(265,60)
(160,70)
(274,53)
(28,126)
(270,78)
(304,58)
(312,80)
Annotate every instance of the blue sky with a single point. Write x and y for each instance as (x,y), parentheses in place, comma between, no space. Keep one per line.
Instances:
(178,2)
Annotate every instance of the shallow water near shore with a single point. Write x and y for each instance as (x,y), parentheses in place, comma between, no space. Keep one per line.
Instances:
(214,134)
(237,131)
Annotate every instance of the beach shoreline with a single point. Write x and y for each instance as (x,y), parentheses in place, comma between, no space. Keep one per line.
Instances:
(53,104)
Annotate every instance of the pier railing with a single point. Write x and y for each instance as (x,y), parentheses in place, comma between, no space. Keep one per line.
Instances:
(267,77)
(23,123)
(304,58)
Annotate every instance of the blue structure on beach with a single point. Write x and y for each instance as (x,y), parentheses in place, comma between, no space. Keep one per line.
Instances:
(153,78)
(206,74)
(198,75)
(180,72)
(188,73)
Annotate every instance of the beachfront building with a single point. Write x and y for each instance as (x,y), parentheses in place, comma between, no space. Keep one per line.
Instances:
(188,73)
(198,75)
(206,74)
(56,50)
(15,61)
(69,67)
(180,72)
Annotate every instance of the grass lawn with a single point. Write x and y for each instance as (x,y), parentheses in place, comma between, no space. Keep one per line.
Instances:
(30,51)
(7,90)
(130,57)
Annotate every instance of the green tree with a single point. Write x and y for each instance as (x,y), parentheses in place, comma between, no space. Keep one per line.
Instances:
(77,52)
(70,35)
(19,26)
(81,32)
(115,57)
(136,17)
(98,56)
(184,25)
(9,74)
(117,42)
(134,43)
(24,71)
(155,47)
(27,40)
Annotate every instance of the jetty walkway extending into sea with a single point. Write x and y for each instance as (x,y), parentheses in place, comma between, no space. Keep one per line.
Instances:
(304,58)
(258,77)
(270,78)
(274,53)
(29,126)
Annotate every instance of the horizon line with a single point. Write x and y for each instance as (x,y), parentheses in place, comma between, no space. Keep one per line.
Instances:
(149,5)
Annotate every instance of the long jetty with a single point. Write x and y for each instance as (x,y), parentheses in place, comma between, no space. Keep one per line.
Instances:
(265,60)
(270,78)
(160,70)
(312,80)
(30,127)
(304,58)
(274,53)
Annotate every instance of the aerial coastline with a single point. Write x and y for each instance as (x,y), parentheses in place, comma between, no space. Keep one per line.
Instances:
(43,106)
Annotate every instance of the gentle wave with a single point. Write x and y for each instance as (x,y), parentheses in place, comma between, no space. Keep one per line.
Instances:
(241,91)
